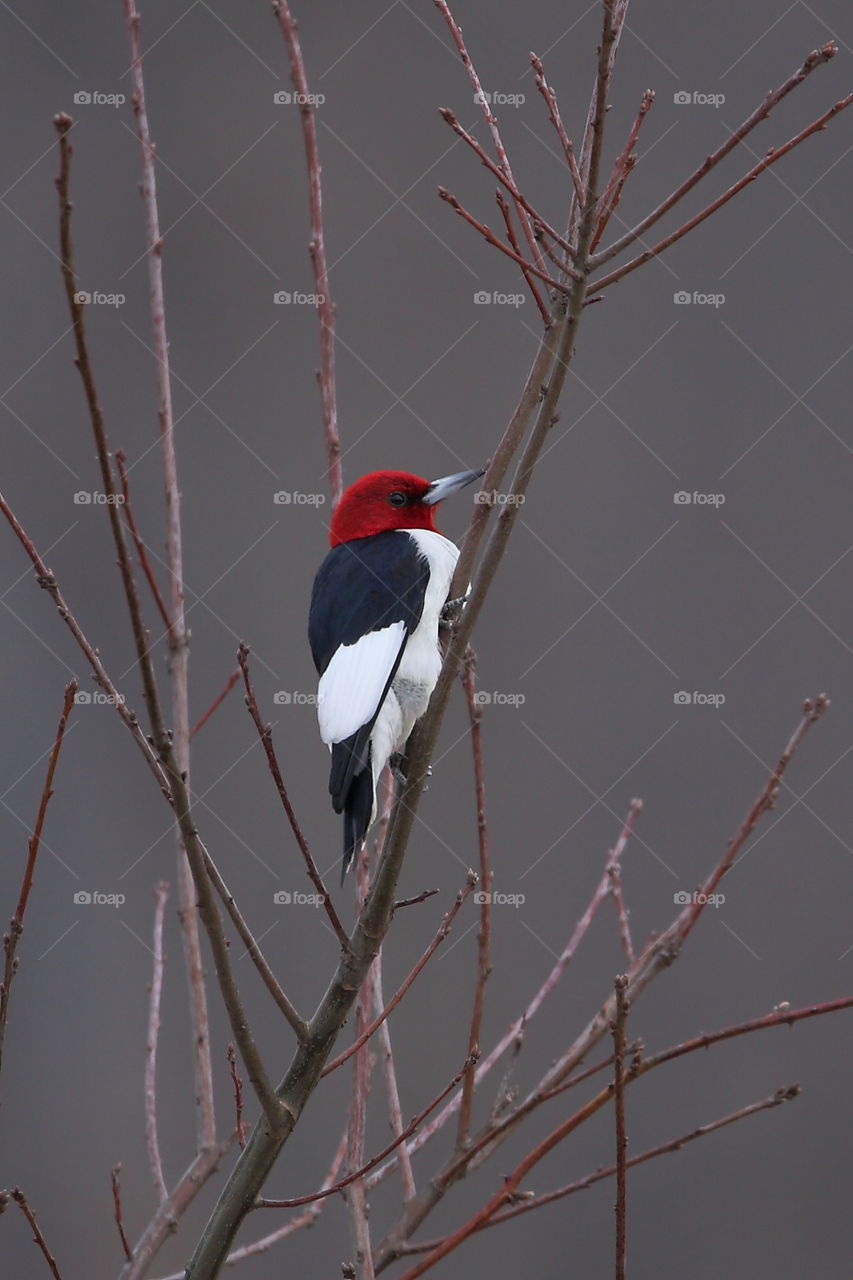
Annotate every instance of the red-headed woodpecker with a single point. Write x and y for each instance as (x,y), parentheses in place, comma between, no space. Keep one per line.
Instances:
(373,628)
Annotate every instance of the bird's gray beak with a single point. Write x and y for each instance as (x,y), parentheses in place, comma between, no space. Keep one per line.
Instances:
(441,489)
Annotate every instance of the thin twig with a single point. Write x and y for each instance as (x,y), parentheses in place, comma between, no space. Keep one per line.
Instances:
(265,735)
(503,205)
(772,156)
(138,542)
(178,636)
(550,98)
(615,873)
(16,924)
(484,959)
(47,581)
(21,1201)
(492,239)
(392,1088)
(619,1111)
(117,1210)
(237,1085)
(817,58)
(253,950)
(305,1219)
(518,196)
(492,122)
(530,1202)
(443,930)
(152,1140)
(623,165)
(216,704)
(517,1027)
(162,1224)
(356,1198)
(325,306)
(371,1164)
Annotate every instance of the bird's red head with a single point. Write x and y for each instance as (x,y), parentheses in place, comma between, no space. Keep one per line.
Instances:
(386,500)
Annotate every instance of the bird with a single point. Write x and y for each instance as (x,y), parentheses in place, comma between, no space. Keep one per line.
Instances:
(373,628)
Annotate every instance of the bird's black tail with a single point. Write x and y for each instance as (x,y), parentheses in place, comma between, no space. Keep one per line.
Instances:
(358,810)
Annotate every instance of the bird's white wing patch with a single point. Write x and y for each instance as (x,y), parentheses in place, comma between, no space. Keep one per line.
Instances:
(353,683)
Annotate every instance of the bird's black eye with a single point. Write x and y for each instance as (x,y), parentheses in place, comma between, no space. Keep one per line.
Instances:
(397,499)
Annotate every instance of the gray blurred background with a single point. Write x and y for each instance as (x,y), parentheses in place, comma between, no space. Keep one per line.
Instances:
(613,599)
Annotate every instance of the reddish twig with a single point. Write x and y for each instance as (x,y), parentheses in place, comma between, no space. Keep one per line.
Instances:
(162,1224)
(615,872)
(117,1210)
(528,1203)
(16,924)
(356,1198)
(265,735)
(619,1109)
(178,636)
(216,704)
(815,59)
(772,156)
(161,893)
(484,959)
(392,1089)
(513,244)
(325,306)
(237,1085)
(492,239)
(625,162)
(491,120)
(443,930)
(305,1219)
(416,900)
(517,1027)
(550,98)
(518,196)
(389,1070)
(655,957)
(21,1201)
(48,583)
(141,549)
(253,950)
(377,1159)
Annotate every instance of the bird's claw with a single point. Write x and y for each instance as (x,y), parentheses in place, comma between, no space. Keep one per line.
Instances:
(449,612)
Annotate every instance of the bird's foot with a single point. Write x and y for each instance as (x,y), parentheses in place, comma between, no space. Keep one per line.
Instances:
(397,765)
(450,612)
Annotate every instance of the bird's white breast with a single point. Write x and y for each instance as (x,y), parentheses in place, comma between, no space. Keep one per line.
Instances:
(421,662)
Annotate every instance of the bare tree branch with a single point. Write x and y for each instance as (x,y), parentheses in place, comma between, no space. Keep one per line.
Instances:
(16,924)
(325,306)
(152,1140)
